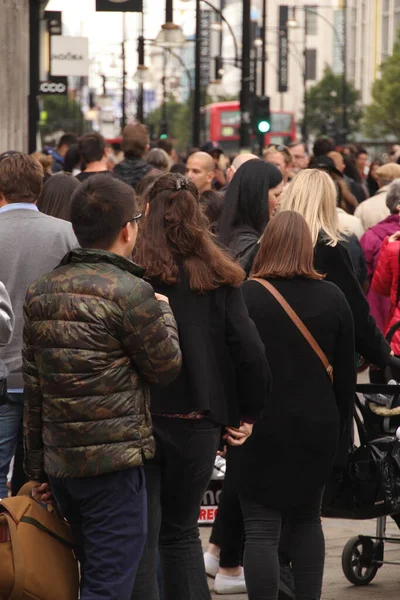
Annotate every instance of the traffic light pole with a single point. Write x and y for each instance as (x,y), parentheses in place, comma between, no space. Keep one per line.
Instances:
(245,97)
(197,81)
(261,137)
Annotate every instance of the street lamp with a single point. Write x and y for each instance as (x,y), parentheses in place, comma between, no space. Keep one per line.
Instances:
(293,24)
(217,25)
(142,75)
(171,35)
(197,87)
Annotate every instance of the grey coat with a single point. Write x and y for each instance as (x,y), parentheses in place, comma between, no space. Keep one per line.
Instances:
(7,321)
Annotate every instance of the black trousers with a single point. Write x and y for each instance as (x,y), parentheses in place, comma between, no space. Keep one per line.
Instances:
(307,548)
(176,481)
(228,528)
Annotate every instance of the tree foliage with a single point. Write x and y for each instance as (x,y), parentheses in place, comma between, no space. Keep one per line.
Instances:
(325,105)
(382,117)
(62,114)
(178,121)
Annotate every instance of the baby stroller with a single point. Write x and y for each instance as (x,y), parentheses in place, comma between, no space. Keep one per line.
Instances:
(371,485)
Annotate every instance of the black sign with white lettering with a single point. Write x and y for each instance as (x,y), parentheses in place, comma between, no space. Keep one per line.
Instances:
(283,47)
(56,86)
(205,47)
(54,21)
(119,5)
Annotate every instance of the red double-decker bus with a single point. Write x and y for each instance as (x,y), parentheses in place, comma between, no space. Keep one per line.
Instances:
(220,123)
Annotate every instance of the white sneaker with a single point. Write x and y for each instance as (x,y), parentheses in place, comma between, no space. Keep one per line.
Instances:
(211,564)
(227,584)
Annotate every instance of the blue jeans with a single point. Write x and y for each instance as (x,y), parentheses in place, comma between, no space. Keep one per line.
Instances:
(10,423)
(108,518)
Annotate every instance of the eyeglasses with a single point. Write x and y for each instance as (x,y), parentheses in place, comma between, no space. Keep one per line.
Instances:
(278,148)
(135,218)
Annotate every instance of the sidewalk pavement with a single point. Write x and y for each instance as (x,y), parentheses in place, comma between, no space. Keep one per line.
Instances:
(386,584)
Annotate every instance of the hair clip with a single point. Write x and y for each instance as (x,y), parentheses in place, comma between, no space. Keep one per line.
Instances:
(182,182)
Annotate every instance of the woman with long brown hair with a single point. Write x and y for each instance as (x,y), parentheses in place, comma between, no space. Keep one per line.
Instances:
(224,381)
(304,434)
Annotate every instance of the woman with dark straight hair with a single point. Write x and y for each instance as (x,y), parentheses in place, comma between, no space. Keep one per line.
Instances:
(250,200)
(224,382)
(213,204)
(55,199)
(304,434)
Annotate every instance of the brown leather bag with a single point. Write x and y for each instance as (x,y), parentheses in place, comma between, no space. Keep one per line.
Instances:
(299,324)
(37,561)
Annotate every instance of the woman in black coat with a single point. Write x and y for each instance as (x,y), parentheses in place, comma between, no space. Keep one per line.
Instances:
(250,200)
(313,194)
(224,381)
(282,469)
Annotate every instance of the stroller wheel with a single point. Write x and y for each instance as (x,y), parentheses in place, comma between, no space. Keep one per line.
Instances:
(357,562)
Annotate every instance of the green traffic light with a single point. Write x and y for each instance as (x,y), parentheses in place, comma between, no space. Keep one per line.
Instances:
(264,126)
(163,136)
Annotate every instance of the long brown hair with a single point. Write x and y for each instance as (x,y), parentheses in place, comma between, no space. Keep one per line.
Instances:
(174,233)
(286,249)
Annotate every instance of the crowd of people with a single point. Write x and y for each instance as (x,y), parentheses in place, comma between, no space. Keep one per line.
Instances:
(157,311)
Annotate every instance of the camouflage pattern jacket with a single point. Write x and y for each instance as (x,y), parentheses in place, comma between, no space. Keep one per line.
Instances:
(95,337)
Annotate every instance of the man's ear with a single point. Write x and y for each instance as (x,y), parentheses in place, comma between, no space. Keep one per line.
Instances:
(126,233)
(3,201)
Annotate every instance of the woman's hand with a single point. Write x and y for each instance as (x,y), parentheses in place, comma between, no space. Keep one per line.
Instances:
(395,237)
(161,298)
(237,436)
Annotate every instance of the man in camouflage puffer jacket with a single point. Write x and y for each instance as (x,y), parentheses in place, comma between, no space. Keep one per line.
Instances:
(95,337)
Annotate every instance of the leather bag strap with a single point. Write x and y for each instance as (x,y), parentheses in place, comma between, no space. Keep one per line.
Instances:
(18,559)
(299,324)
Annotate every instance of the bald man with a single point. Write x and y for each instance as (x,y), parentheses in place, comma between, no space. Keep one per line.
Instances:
(238,162)
(200,168)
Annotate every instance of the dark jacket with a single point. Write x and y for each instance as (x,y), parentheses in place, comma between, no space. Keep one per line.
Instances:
(224,370)
(359,191)
(132,170)
(95,338)
(335,262)
(244,245)
(352,245)
(306,426)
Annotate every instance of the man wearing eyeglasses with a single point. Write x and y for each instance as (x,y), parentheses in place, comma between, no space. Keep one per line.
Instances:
(96,336)
(279,156)
(300,157)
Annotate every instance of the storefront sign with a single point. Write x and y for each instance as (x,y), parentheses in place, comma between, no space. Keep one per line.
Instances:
(69,56)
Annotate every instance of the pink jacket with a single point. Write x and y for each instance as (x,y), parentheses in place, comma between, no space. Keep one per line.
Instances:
(386,283)
(371,243)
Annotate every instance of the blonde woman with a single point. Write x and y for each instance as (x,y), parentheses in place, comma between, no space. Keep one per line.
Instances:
(312,193)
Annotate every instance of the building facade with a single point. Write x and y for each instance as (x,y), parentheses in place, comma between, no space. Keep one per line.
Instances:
(14,74)
(321,44)
(372,29)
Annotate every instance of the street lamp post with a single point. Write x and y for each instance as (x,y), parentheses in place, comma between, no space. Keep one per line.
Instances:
(245,97)
(140,98)
(123,120)
(342,43)
(197,79)
(305,99)
(345,125)
(264,50)
(197,84)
